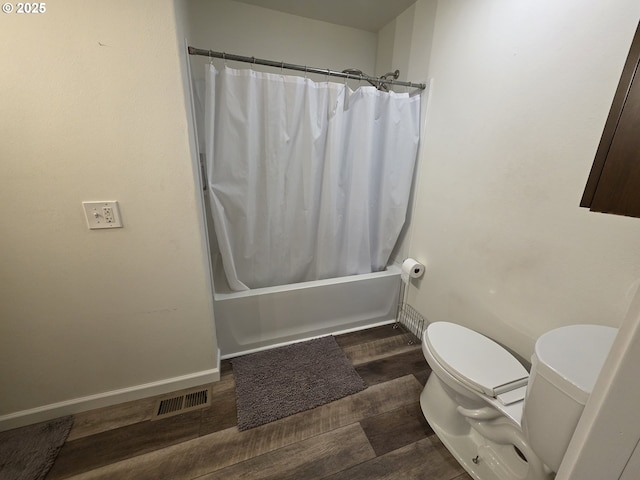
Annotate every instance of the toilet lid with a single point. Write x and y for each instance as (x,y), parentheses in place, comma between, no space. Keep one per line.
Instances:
(477,361)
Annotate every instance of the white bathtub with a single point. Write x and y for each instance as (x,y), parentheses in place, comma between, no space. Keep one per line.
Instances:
(264,318)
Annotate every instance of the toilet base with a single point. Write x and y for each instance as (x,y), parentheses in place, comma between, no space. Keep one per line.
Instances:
(482,458)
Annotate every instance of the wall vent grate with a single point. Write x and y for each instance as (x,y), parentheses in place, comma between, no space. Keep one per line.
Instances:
(182,402)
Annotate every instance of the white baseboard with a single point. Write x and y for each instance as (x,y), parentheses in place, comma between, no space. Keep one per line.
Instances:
(105,399)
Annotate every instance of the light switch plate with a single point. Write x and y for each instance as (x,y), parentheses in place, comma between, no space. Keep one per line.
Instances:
(105,214)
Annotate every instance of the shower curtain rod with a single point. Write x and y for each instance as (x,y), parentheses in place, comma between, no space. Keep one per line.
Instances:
(302,68)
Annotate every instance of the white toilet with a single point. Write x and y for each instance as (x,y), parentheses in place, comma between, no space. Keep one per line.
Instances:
(496,419)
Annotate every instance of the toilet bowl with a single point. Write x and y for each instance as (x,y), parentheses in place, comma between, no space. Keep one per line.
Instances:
(496,419)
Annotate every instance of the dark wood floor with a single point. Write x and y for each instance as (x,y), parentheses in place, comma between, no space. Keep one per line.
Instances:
(378,433)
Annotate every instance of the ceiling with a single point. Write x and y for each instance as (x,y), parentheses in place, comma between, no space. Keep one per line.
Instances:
(369,15)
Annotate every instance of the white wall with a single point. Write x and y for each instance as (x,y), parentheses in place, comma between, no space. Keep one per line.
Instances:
(384,51)
(404,28)
(242,29)
(421,41)
(93,108)
(521,92)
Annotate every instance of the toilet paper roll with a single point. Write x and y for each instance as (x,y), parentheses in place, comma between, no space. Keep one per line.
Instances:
(411,268)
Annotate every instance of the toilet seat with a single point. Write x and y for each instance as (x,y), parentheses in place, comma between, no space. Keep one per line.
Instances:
(477,361)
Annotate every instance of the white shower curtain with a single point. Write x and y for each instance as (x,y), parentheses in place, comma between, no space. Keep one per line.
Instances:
(306,180)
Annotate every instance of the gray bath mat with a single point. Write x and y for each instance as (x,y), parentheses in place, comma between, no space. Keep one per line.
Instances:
(28,453)
(277,383)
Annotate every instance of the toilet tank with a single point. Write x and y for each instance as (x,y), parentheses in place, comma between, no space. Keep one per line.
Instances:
(565,366)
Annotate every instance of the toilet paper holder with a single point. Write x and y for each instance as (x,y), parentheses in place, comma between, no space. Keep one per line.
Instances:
(411,268)
(407,317)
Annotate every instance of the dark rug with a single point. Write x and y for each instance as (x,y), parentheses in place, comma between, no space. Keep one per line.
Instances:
(280,382)
(27,453)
